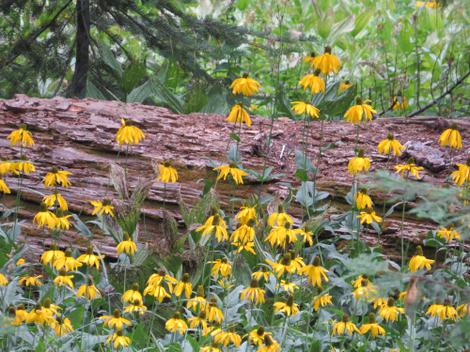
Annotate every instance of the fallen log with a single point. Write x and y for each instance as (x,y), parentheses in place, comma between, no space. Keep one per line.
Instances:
(78,136)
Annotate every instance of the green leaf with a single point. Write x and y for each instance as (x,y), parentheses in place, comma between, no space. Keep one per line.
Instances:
(235,137)
(133,75)
(108,58)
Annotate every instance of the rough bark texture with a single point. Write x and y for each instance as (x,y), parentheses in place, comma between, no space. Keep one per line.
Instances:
(78,135)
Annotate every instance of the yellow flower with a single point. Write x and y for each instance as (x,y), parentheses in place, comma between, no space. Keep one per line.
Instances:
(51,255)
(245,85)
(344,86)
(226,338)
(3,280)
(262,274)
(57,178)
(127,245)
(209,349)
(4,187)
(23,166)
(279,235)
(316,273)
(63,222)
(119,340)
(389,311)
(374,328)
(300,108)
(363,201)
(67,262)
(158,291)
(463,310)
(399,103)
(366,290)
(239,115)
(369,217)
(176,324)
(62,326)
(103,207)
(310,58)
(248,247)
(41,316)
(243,234)
(419,261)
(314,82)
(7,167)
(256,336)
(63,279)
(115,321)
(462,174)
(221,267)
(55,198)
(245,215)
(21,136)
(183,285)
(390,145)
(327,62)
(137,307)
(214,225)
(285,265)
(46,218)
(428,4)
(30,280)
(226,170)
(89,291)
(442,311)
(199,322)
(132,295)
(20,262)
(449,234)
(21,315)
(90,259)
(269,345)
(213,312)
(253,293)
(129,134)
(322,301)
(407,169)
(280,219)
(289,308)
(361,111)
(451,137)
(289,287)
(358,163)
(167,173)
(345,326)
(199,302)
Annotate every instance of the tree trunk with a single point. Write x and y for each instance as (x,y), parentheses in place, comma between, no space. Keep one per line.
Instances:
(78,136)
(79,80)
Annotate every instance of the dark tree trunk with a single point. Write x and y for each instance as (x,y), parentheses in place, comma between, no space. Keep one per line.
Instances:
(79,80)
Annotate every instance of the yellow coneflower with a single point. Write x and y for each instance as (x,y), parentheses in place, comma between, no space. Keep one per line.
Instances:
(358,163)
(23,166)
(127,245)
(3,280)
(248,247)
(309,58)
(322,301)
(243,234)
(245,85)
(315,272)
(21,136)
(366,291)
(409,169)
(63,279)
(213,312)
(262,274)
(51,255)
(289,308)
(270,345)
(253,293)
(314,82)
(183,286)
(32,280)
(256,336)
(372,326)
(63,222)
(129,134)
(361,111)
(279,235)
(451,137)
(428,4)
(419,261)
(115,321)
(102,207)
(210,349)
(176,324)
(390,145)
(67,262)
(20,262)
(448,233)
(462,174)
(157,291)
(6,167)
(89,291)
(288,287)
(199,302)
(136,307)
(442,311)
(57,178)
(41,316)
(62,326)
(327,62)
(245,215)
(399,103)
(369,217)
(226,338)
(90,259)
(55,199)
(155,285)
(363,201)
(301,108)
(118,340)
(4,187)
(285,265)
(221,267)
(238,115)
(345,326)
(389,311)
(133,294)
(280,219)
(199,321)
(20,313)
(45,218)
(463,310)
(345,85)
(232,170)
(167,173)
(214,225)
